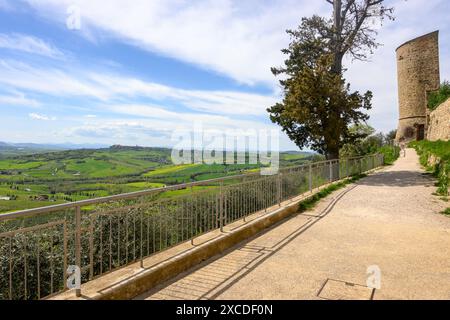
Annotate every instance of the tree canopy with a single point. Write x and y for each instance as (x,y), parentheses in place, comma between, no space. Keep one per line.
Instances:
(318,105)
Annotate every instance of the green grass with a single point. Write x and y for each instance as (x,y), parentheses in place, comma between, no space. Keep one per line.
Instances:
(311,202)
(19,165)
(182,192)
(440,170)
(169,169)
(196,172)
(145,185)
(72,175)
(390,153)
(292,159)
(438,148)
(446,212)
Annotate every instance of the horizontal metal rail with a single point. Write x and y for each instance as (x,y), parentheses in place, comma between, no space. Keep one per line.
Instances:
(101,235)
(130,195)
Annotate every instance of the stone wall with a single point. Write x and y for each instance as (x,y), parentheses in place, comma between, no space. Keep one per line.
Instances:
(439,123)
(418,74)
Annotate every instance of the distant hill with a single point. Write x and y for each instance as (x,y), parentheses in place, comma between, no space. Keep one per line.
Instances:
(8,149)
(34,175)
(308,153)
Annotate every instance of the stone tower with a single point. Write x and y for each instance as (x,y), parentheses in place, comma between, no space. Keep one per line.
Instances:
(418,74)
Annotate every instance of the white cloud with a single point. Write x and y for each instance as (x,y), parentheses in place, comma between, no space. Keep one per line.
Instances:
(18,99)
(413,19)
(5,5)
(46,80)
(240,39)
(43,117)
(173,119)
(150,130)
(29,44)
(107,87)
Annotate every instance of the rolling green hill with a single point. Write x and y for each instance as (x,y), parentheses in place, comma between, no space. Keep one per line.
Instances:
(40,179)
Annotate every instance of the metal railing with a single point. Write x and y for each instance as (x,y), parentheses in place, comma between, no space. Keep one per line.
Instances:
(101,235)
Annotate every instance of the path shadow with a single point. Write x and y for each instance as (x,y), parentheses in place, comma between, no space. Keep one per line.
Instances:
(398,179)
(214,276)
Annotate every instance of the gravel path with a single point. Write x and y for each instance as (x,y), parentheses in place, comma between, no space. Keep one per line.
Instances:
(388,222)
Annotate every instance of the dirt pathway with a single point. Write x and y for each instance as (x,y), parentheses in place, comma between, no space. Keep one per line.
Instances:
(387,224)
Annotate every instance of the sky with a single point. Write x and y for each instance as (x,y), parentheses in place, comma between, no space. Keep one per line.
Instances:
(132,72)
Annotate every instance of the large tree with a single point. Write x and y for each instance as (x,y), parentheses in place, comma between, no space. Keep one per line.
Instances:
(318,105)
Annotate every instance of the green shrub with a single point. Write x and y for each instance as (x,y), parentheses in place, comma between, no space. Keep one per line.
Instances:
(440,96)
(312,201)
(391,153)
(440,170)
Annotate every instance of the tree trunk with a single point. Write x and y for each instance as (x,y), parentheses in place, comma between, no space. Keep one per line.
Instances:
(337,63)
(332,151)
(337,18)
(333,148)
(332,154)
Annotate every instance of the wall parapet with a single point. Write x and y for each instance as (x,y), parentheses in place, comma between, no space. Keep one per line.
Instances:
(439,123)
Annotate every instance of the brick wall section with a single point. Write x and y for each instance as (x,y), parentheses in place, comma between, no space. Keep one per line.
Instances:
(418,74)
(439,123)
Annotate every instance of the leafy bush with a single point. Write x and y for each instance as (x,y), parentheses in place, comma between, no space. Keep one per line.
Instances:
(371,142)
(391,153)
(311,202)
(440,96)
(441,169)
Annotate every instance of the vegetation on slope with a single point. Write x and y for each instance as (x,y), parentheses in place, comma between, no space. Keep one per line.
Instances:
(371,142)
(441,167)
(390,152)
(437,98)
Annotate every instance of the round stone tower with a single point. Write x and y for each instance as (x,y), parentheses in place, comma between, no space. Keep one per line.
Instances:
(418,74)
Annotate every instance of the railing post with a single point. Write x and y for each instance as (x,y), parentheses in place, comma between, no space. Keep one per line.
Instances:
(78,243)
(279,189)
(346,168)
(193,220)
(310,177)
(142,241)
(221,207)
(331,170)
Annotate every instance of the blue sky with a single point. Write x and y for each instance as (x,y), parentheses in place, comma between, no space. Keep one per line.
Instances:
(137,70)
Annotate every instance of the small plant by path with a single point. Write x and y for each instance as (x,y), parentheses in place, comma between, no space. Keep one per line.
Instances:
(312,201)
(441,167)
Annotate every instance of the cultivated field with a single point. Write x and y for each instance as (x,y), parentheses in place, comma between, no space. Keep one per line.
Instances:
(40,179)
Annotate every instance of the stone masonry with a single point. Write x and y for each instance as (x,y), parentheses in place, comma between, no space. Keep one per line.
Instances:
(418,74)
(439,123)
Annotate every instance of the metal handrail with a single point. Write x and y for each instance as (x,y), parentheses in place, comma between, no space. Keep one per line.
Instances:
(135,194)
(103,239)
